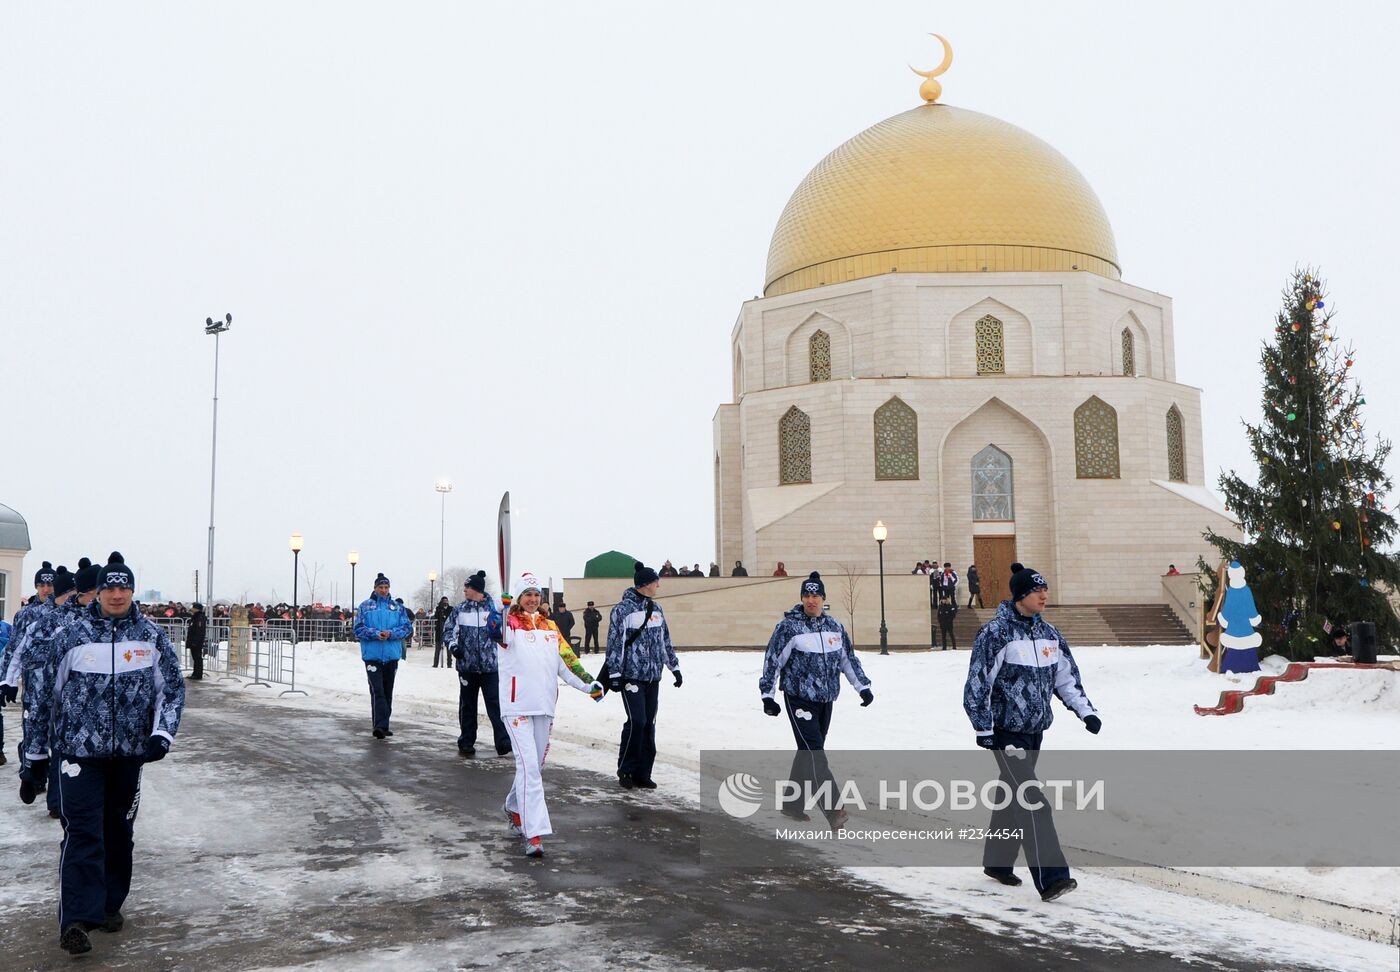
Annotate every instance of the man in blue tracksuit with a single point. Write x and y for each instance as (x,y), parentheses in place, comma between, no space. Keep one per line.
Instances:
(470,634)
(38,606)
(811,651)
(381,624)
(41,639)
(6,631)
(639,644)
(114,695)
(1018,662)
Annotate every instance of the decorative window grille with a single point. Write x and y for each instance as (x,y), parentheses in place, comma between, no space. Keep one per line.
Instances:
(991,351)
(1129,360)
(1096,440)
(896,441)
(794,447)
(992,494)
(819,356)
(1176,446)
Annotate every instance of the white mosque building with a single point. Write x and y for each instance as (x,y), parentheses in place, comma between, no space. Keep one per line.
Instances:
(945,343)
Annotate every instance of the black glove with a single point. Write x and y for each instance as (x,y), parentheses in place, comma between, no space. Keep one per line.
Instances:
(156,748)
(986,741)
(1093,724)
(677,673)
(866,697)
(37,771)
(614,683)
(770,707)
(9,692)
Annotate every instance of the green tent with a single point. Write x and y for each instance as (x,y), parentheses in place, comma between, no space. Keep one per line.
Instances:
(614,563)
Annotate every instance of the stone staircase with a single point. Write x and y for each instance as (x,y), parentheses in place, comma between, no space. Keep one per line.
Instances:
(1087,624)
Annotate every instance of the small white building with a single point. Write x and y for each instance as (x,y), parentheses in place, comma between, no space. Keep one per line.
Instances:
(945,343)
(14,544)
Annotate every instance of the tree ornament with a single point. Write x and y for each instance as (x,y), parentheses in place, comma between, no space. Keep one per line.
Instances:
(1361,401)
(1292,416)
(1310,304)
(1336,525)
(1363,583)
(1348,362)
(1293,379)
(1297,327)
(1321,303)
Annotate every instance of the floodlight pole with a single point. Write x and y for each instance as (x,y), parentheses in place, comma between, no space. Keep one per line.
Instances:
(210,327)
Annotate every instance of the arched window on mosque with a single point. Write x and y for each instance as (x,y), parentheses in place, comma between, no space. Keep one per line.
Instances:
(1095,440)
(896,441)
(1176,446)
(1129,359)
(992,494)
(819,356)
(991,350)
(794,447)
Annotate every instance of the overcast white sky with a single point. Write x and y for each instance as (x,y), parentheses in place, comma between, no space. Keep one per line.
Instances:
(506,245)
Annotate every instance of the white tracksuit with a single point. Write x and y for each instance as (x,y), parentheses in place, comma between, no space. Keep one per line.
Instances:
(530,670)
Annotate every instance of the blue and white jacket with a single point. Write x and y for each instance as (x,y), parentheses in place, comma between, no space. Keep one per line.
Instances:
(470,636)
(378,614)
(650,650)
(811,654)
(108,685)
(1017,664)
(12,659)
(36,655)
(7,630)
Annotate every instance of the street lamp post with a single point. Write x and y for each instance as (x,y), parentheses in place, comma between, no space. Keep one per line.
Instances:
(443,487)
(432,588)
(215,328)
(295,544)
(354,559)
(880,533)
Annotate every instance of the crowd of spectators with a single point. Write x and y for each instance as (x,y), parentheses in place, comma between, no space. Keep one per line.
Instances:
(333,622)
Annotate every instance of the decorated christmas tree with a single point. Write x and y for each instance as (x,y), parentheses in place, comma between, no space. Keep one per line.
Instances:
(1315,521)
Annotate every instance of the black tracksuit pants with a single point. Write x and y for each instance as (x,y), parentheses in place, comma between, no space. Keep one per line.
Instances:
(637,752)
(487,684)
(381,691)
(945,631)
(590,637)
(97,804)
(810,723)
(1039,840)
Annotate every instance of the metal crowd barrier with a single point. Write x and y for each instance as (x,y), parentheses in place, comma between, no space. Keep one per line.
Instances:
(254,654)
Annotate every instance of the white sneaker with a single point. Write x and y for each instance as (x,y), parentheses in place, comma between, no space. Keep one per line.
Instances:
(534,847)
(514,819)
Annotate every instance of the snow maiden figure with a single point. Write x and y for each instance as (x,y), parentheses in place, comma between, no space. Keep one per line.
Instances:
(1239,641)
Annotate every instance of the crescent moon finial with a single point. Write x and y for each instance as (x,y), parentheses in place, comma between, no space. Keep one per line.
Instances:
(931,90)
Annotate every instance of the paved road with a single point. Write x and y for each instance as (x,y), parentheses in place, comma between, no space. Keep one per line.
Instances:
(280,836)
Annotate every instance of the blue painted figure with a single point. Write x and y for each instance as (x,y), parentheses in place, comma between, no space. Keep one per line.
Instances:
(1239,641)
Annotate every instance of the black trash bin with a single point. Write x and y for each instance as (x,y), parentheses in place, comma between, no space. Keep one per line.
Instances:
(1363,642)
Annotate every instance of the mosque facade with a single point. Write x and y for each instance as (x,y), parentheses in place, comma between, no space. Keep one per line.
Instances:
(945,344)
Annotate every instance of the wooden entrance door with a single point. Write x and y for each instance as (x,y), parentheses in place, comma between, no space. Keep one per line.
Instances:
(994,557)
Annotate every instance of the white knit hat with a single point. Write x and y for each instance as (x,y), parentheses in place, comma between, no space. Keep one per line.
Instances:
(525,582)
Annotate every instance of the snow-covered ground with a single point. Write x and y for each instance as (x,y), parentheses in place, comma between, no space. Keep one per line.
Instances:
(1145,695)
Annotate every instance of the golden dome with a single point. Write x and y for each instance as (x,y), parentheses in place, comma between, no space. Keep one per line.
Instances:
(938,189)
